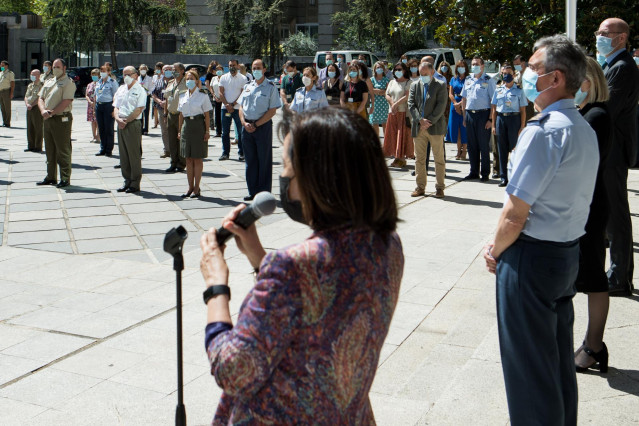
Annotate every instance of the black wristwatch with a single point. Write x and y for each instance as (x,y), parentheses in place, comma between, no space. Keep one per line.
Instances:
(214,291)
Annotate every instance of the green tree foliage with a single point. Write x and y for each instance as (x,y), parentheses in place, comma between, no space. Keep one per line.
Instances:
(232,30)
(91,24)
(23,6)
(501,29)
(196,44)
(299,44)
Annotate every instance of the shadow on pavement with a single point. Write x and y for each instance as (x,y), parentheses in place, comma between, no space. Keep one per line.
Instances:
(5,182)
(2,160)
(469,201)
(84,167)
(623,380)
(219,201)
(84,190)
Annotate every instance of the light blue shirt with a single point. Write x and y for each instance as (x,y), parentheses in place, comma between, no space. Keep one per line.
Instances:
(478,92)
(306,101)
(440,77)
(509,100)
(553,169)
(105,90)
(256,99)
(613,56)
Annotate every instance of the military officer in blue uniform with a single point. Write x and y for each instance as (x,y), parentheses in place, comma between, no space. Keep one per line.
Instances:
(476,97)
(259,102)
(508,113)
(310,96)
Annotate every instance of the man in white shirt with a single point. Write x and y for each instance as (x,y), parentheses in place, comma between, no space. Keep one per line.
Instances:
(436,76)
(129,102)
(231,85)
(146,81)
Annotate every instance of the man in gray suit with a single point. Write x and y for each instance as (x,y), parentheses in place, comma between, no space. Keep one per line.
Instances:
(427,101)
(623,82)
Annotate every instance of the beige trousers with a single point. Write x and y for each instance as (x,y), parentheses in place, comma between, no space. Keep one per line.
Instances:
(437,146)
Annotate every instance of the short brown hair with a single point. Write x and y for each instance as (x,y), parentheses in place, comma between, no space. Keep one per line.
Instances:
(341,170)
(194,73)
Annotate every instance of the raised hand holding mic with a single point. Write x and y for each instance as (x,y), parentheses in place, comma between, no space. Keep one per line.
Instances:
(263,204)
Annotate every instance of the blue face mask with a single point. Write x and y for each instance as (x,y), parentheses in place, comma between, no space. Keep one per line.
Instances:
(95,78)
(444,68)
(258,74)
(404,61)
(329,62)
(168,74)
(399,74)
(517,67)
(529,84)
(379,71)
(604,45)
(425,79)
(331,74)
(508,78)
(461,70)
(353,74)
(636,58)
(580,97)
(219,72)
(475,69)
(190,84)
(413,69)
(340,59)
(601,59)
(45,69)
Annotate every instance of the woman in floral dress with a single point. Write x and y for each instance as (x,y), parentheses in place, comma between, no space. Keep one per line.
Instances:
(380,82)
(90,96)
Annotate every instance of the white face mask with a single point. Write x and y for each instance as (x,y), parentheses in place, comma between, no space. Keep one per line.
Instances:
(142,73)
(306,81)
(103,75)
(128,80)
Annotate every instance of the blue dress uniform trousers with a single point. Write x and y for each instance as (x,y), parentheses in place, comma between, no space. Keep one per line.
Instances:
(104,117)
(478,142)
(507,131)
(535,287)
(258,151)
(226,132)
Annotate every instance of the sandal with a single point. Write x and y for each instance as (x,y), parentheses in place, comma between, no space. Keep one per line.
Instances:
(600,360)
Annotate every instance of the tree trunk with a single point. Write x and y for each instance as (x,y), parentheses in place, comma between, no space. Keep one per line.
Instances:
(111,37)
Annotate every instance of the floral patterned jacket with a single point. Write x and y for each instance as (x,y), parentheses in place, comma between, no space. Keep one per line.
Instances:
(308,337)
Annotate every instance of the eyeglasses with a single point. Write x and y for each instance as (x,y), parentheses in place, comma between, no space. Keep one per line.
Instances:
(606,33)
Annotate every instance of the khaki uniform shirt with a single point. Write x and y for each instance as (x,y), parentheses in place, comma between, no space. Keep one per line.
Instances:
(32,93)
(47,76)
(6,77)
(55,91)
(172,94)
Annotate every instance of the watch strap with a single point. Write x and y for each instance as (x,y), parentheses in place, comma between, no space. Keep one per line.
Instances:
(216,290)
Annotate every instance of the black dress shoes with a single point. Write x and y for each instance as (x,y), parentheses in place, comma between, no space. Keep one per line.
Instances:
(179,169)
(132,190)
(46,181)
(63,183)
(99,154)
(503,183)
(249,198)
(28,150)
(122,189)
(484,179)
(471,177)
(495,175)
(171,170)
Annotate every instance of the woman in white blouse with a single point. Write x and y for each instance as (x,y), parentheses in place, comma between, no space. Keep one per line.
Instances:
(309,97)
(194,107)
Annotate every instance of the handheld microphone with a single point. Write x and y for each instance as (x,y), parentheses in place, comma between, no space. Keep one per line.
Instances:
(263,204)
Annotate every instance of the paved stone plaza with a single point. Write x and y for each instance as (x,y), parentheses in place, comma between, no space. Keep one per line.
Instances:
(87,296)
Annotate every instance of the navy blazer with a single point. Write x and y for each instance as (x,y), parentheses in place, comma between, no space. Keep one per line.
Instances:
(623,82)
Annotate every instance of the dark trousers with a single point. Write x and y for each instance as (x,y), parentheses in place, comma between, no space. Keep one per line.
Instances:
(104,117)
(478,142)
(145,116)
(507,132)
(218,118)
(174,143)
(535,287)
(131,153)
(34,128)
(619,227)
(5,106)
(258,149)
(57,146)
(226,132)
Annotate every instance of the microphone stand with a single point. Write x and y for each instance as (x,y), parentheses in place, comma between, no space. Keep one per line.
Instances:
(173,243)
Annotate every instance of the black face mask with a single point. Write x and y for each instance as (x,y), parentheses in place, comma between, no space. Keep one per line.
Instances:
(508,78)
(292,208)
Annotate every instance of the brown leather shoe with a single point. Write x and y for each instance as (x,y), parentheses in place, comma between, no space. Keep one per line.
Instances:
(417,193)
(439,193)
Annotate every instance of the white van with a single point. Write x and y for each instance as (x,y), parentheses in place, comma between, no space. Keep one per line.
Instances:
(452,56)
(320,57)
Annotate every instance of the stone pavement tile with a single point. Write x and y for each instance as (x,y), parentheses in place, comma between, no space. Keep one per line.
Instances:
(10,308)
(164,227)
(93,211)
(488,349)
(37,225)
(480,386)
(52,195)
(145,218)
(12,367)
(26,207)
(129,286)
(144,340)
(423,295)
(132,255)
(100,362)
(35,215)
(150,207)
(48,387)
(97,325)
(99,232)
(47,347)
(91,221)
(89,202)
(89,301)
(38,295)
(22,238)
(216,213)
(22,258)
(621,410)
(12,335)
(200,399)
(49,317)
(138,308)
(108,244)
(14,412)
(9,288)
(145,375)
(60,247)
(391,410)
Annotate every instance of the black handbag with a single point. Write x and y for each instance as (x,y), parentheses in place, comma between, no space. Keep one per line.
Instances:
(408,123)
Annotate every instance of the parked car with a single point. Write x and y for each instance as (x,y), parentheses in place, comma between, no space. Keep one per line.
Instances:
(118,75)
(452,56)
(320,57)
(81,76)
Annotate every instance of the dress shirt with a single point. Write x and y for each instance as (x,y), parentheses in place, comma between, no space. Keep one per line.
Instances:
(478,92)
(553,169)
(172,94)
(308,100)
(32,92)
(233,86)
(129,99)
(509,100)
(105,90)
(196,103)
(438,76)
(55,91)
(6,77)
(257,99)
(146,82)
(610,58)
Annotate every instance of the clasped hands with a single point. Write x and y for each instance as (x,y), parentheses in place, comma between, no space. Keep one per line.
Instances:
(425,123)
